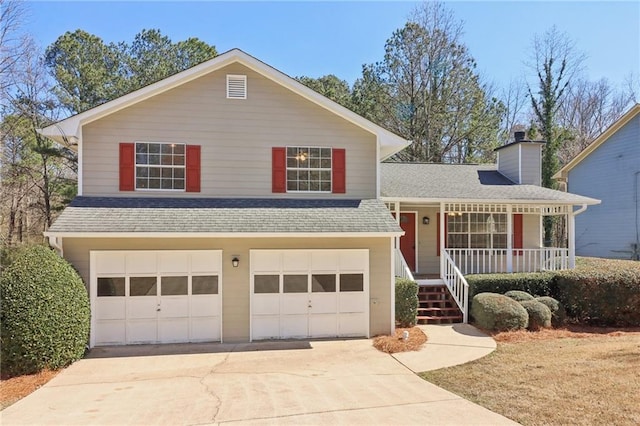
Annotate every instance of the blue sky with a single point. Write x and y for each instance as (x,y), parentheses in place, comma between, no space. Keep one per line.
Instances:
(318,38)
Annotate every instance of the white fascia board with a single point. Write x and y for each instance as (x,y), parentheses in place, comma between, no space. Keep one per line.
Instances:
(591,201)
(221,234)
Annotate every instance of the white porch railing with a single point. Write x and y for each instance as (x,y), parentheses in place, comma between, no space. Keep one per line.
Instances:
(401,268)
(457,285)
(485,261)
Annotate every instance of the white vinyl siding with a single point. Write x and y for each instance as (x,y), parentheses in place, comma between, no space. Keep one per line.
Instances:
(236,138)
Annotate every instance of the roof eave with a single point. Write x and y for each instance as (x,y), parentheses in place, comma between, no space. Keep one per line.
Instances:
(584,200)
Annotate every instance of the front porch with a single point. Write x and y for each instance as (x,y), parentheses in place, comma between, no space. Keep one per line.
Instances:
(446,241)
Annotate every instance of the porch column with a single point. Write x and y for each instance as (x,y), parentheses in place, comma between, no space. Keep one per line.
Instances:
(571,237)
(509,238)
(396,209)
(442,238)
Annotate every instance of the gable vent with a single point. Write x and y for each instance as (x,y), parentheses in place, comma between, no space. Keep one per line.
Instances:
(236,87)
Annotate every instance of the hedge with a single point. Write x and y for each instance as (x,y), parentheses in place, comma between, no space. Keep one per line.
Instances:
(539,314)
(406,302)
(601,292)
(45,313)
(598,291)
(493,311)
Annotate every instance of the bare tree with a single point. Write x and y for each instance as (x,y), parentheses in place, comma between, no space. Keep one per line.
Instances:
(589,107)
(514,99)
(13,43)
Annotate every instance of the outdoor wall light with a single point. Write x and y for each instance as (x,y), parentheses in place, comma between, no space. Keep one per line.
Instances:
(425,220)
(235,261)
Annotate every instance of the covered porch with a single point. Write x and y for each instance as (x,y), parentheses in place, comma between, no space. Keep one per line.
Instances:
(445,241)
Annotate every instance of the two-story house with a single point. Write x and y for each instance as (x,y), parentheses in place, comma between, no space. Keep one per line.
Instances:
(231,203)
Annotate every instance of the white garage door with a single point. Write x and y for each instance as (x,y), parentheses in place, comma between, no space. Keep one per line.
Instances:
(309,293)
(155,296)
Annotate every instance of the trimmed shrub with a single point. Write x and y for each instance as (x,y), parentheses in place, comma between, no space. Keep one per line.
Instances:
(601,292)
(493,311)
(519,296)
(539,314)
(406,302)
(537,283)
(558,314)
(45,313)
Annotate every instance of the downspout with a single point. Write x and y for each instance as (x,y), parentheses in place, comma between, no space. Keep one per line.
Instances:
(572,235)
(56,243)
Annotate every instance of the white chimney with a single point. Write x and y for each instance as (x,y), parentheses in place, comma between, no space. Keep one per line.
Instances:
(521,160)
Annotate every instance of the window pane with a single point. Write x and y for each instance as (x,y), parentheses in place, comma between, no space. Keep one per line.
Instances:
(351,282)
(500,241)
(325,164)
(154,172)
(480,241)
(154,183)
(142,148)
(142,158)
(326,153)
(142,286)
(178,173)
(154,159)
(154,148)
(294,284)
(325,186)
(314,153)
(266,284)
(204,285)
(323,283)
(303,185)
(314,186)
(110,287)
(166,148)
(142,183)
(178,149)
(314,163)
(166,159)
(178,184)
(142,171)
(173,286)
(167,172)
(292,185)
(178,160)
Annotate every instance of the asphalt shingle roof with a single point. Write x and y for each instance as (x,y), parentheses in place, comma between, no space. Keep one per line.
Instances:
(463,182)
(224,215)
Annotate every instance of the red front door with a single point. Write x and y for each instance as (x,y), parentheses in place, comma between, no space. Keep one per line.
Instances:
(408,240)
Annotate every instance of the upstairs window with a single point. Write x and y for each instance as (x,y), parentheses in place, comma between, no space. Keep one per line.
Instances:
(160,166)
(309,169)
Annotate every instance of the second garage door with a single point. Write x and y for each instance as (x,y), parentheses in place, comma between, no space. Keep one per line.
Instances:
(309,293)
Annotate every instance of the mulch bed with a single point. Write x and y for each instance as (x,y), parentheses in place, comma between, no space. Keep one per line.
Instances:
(15,388)
(396,343)
(573,331)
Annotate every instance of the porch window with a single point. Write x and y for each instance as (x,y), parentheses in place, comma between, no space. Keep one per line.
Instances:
(477,230)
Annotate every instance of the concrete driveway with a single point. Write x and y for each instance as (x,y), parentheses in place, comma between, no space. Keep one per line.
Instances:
(317,382)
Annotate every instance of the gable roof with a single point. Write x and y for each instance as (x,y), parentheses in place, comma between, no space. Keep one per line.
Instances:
(562,173)
(69,128)
(237,217)
(464,182)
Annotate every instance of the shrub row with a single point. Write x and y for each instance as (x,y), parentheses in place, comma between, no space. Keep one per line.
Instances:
(598,291)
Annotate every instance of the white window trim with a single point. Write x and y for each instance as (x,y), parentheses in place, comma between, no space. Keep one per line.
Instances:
(237,77)
(135,166)
(330,191)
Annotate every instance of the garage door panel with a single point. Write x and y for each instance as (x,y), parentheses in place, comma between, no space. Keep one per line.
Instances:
(173,262)
(173,330)
(324,303)
(142,262)
(142,307)
(206,262)
(295,261)
(205,306)
(266,261)
(352,302)
(266,327)
(205,329)
(323,325)
(324,260)
(354,324)
(294,326)
(111,332)
(266,304)
(110,308)
(295,304)
(110,263)
(353,260)
(174,307)
(142,331)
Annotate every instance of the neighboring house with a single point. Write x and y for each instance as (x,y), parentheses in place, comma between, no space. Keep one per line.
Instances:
(230,202)
(609,169)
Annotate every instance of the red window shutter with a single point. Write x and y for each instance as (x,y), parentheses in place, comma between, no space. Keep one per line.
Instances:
(517,233)
(127,166)
(438,233)
(338,167)
(278,170)
(192,171)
